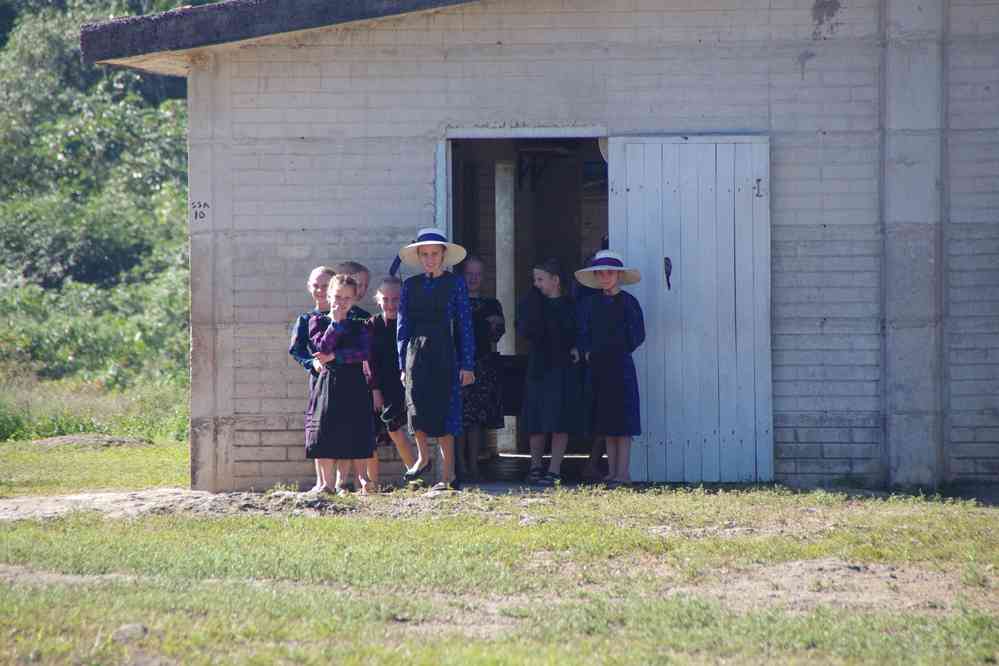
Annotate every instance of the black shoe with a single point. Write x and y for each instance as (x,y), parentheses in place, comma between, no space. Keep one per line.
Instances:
(455,485)
(551,480)
(535,475)
(412,475)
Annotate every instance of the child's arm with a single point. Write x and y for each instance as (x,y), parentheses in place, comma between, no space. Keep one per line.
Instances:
(360,350)
(402,327)
(584,339)
(299,345)
(529,322)
(635,322)
(325,334)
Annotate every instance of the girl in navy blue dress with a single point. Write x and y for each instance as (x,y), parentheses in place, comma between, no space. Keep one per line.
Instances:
(611,327)
(433,312)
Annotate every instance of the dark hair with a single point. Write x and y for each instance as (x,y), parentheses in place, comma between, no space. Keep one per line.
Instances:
(552,266)
(469,259)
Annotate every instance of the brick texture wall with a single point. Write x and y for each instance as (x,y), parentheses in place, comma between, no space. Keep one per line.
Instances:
(327,141)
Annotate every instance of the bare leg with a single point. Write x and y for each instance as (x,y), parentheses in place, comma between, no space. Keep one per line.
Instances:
(403,446)
(372,468)
(473,444)
(326,480)
(342,472)
(360,471)
(560,440)
(612,452)
(537,442)
(319,478)
(461,455)
(623,459)
(447,453)
(422,451)
(593,466)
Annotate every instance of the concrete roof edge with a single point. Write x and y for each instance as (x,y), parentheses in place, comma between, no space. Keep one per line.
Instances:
(231,21)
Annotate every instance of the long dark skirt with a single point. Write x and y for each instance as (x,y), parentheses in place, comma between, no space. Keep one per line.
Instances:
(338,422)
(616,407)
(433,395)
(553,402)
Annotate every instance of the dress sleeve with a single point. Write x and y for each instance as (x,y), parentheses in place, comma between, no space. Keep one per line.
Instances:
(360,350)
(320,330)
(635,322)
(584,329)
(299,345)
(463,314)
(402,325)
(529,321)
(500,329)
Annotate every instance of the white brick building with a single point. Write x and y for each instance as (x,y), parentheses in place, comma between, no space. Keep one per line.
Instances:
(835,163)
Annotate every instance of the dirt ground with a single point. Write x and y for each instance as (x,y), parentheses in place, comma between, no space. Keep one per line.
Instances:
(797,586)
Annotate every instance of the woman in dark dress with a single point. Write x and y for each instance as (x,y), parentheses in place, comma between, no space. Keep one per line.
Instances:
(434,309)
(611,327)
(553,389)
(338,422)
(482,402)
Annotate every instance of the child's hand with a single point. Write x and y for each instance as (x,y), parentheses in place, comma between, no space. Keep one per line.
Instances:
(377,400)
(574,355)
(324,358)
(317,365)
(467,377)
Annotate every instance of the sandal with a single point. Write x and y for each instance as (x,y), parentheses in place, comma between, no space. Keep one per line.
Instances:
(535,475)
(341,491)
(412,474)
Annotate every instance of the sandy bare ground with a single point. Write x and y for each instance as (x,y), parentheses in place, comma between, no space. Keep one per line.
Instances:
(166,501)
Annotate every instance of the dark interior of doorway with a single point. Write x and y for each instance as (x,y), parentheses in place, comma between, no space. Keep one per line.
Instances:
(560,211)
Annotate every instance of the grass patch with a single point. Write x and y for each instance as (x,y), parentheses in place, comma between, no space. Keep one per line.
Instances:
(27,469)
(239,622)
(33,409)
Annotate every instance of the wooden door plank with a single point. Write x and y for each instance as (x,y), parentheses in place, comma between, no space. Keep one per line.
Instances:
(692,334)
(745,313)
(638,214)
(763,348)
(648,257)
(670,321)
(708,316)
(725,270)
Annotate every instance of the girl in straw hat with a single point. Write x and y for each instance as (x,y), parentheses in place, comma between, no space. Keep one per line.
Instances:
(434,308)
(611,327)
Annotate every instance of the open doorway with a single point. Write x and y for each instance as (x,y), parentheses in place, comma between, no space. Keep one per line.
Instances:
(560,210)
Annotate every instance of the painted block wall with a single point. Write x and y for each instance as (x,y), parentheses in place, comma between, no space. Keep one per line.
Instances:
(971,238)
(320,146)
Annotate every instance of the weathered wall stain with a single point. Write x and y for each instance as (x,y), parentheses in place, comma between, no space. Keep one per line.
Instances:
(823,12)
(803,59)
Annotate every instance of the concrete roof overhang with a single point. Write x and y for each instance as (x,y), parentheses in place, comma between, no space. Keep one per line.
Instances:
(168,43)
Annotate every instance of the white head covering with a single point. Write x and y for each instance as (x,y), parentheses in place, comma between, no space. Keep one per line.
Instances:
(432,236)
(605,260)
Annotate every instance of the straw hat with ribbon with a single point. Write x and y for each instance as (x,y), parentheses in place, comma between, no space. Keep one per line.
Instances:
(605,260)
(432,236)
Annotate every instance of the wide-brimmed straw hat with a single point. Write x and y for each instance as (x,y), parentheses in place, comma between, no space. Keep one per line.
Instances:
(432,236)
(605,260)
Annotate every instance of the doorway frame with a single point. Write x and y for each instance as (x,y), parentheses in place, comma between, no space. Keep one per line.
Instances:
(444,177)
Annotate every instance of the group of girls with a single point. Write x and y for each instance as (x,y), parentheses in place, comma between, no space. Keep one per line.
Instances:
(427,361)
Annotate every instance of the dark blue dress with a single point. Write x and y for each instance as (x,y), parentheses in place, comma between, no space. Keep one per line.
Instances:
(432,313)
(610,329)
